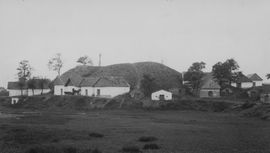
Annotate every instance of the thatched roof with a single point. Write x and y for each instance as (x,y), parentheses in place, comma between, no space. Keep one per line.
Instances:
(16,85)
(254,77)
(111,82)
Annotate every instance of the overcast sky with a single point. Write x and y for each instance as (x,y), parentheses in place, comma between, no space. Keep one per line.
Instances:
(179,32)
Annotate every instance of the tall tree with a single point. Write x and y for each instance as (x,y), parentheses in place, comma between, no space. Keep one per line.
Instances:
(194,75)
(148,85)
(85,60)
(25,70)
(22,85)
(56,63)
(226,71)
(42,83)
(32,84)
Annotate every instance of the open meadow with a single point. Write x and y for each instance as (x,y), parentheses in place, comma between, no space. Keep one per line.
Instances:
(113,131)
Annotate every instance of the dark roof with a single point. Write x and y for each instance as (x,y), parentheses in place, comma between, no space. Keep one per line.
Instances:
(242,78)
(254,77)
(58,81)
(73,79)
(111,82)
(208,82)
(89,82)
(16,85)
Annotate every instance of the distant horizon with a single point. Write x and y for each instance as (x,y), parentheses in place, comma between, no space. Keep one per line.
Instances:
(178,33)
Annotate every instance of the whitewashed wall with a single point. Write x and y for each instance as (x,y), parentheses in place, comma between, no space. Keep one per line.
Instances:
(90,91)
(244,85)
(258,83)
(70,88)
(111,91)
(156,95)
(37,91)
(57,90)
(17,92)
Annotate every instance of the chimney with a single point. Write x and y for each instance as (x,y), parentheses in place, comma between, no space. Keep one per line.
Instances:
(99,62)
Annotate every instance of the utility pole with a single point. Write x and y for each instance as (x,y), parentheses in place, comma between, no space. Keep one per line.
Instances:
(99,62)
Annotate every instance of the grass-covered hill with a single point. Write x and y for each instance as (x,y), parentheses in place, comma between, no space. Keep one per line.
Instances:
(164,76)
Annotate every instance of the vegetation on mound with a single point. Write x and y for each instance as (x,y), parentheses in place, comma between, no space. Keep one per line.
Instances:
(164,76)
(259,110)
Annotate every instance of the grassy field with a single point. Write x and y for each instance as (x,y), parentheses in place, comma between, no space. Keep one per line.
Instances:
(113,131)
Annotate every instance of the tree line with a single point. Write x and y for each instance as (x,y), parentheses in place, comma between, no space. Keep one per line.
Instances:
(224,73)
(55,63)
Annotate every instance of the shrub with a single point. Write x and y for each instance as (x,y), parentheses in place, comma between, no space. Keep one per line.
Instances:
(131,149)
(247,105)
(147,139)
(70,150)
(96,135)
(96,151)
(151,146)
(43,149)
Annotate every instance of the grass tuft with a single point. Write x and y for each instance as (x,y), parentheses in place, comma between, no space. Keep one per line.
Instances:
(147,139)
(96,135)
(131,149)
(151,147)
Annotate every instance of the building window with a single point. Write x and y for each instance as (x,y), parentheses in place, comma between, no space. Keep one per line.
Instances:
(98,92)
(254,84)
(61,91)
(86,92)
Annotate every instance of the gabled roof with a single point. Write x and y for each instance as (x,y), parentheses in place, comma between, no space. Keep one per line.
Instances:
(242,78)
(111,82)
(71,79)
(161,91)
(254,77)
(89,82)
(58,81)
(208,82)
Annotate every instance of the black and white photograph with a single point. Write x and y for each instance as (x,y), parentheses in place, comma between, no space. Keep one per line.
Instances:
(134,76)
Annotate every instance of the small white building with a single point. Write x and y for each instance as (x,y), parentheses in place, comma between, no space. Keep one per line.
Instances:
(256,79)
(242,82)
(14,100)
(161,95)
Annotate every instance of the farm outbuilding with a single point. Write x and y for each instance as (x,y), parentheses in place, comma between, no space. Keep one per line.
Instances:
(209,87)
(161,95)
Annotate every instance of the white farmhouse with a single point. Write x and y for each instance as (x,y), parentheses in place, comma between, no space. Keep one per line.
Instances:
(256,79)
(161,95)
(242,82)
(15,89)
(110,87)
(91,86)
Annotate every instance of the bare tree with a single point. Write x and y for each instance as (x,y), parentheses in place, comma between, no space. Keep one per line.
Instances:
(56,63)
(85,60)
